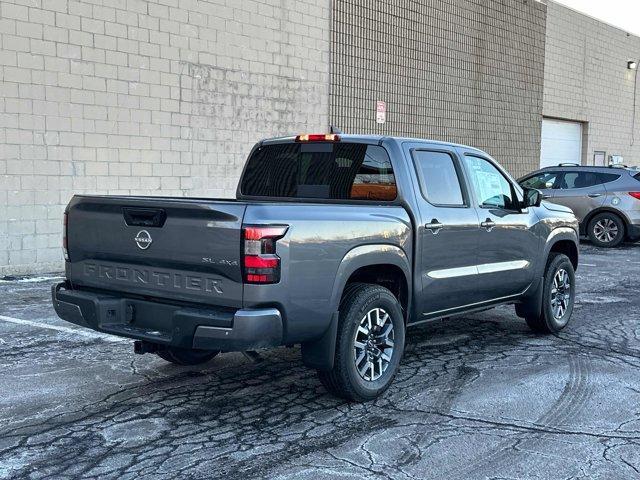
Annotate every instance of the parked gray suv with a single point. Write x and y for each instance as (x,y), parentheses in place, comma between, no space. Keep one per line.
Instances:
(606,200)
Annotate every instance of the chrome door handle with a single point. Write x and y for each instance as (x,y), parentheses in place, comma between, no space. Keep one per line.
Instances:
(545,197)
(435,226)
(488,224)
(594,195)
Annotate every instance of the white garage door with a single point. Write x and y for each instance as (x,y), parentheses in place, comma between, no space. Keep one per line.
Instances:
(561,142)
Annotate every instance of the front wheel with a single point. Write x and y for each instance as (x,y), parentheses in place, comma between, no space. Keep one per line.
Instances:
(369,346)
(186,356)
(558,296)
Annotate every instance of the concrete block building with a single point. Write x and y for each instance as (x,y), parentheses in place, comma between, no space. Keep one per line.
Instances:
(166,97)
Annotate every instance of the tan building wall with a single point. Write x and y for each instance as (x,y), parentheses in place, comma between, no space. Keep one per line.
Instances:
(142,97)
(467,71)
(586,79)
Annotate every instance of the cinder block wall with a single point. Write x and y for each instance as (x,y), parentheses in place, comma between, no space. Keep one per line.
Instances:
(144,97)
(586,79)
(467,71)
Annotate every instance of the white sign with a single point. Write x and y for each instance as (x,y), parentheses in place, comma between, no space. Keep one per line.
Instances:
(381,112)
(615,159)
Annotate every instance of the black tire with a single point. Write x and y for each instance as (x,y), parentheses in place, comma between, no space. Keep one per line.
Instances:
(185,356)
(549,321)
(600,228)
(344,380)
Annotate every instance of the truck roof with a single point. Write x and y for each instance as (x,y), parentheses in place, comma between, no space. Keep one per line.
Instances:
(373,139)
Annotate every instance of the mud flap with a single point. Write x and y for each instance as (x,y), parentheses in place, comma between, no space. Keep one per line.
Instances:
(320,354)
(531,303)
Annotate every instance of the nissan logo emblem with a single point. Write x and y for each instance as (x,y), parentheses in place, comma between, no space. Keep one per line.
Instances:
(143,239)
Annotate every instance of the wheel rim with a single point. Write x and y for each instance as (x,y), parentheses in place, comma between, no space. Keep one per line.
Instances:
(373,344)
(605,230)
(560,294)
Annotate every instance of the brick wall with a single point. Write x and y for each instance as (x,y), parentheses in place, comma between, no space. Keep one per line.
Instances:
(467,71)
(144,97)
(587,80)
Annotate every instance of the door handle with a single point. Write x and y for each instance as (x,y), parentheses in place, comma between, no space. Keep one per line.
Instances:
(594,195)
(545,197)
(488,224)
(435,226)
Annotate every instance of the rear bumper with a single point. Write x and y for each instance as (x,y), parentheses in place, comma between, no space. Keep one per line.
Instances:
(206,328)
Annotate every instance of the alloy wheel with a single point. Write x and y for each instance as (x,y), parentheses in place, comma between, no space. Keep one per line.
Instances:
(560,293)
(605,230)
(373,344)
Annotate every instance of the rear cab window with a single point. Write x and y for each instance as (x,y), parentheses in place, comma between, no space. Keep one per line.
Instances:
(320,170)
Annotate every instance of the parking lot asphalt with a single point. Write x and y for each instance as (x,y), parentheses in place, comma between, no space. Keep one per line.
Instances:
(477,396)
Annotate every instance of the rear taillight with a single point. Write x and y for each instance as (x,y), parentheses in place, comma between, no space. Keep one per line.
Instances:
(260,262)
(635,195)
(64,237)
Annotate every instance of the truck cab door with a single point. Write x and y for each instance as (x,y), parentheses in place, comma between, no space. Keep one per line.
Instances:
(447,232)
(508,245)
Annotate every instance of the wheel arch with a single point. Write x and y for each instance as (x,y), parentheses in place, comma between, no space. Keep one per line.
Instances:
(562,240)
(368,263)
(385,265)
(585,222)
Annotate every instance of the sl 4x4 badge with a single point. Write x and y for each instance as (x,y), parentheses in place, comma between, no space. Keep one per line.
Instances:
(143,239)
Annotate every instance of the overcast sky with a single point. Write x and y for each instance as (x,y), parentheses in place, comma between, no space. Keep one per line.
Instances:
(620,13)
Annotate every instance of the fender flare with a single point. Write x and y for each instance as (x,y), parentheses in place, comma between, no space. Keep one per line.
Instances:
(556,235)
(366,256)
(530,303)
(320,353)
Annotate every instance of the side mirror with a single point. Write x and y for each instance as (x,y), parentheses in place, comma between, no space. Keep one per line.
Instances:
(532,198)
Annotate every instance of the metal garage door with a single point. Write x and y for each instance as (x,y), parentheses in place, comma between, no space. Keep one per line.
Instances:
(561,142)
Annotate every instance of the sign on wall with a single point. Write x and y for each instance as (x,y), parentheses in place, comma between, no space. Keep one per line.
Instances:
(381,111)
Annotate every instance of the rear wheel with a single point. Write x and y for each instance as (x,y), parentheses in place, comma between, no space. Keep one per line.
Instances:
(369,346)
(559,287)
(606,230)
(185,356)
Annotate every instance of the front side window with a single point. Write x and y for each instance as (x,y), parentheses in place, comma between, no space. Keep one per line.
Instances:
(438,177)
(337,171)
(541,181)
(492,189)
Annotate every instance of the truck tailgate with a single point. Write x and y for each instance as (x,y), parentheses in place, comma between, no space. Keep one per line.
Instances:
(167,248)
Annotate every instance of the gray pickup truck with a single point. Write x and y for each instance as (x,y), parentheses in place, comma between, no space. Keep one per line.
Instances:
(334,242)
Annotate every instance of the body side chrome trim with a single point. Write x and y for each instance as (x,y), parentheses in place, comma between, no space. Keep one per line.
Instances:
(479,269)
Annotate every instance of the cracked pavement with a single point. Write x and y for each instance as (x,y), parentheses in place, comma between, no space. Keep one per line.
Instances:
(477,396)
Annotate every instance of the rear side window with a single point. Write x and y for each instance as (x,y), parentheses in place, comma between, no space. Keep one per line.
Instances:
(339,171)
(438,177)
(637,176)
(607,177)
(580,180)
